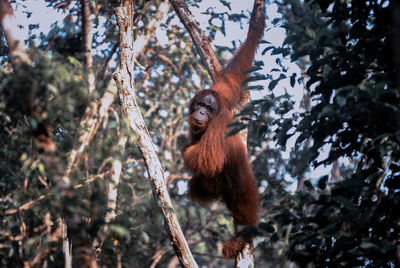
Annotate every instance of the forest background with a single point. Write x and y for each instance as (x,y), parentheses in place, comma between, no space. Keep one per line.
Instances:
(323,135)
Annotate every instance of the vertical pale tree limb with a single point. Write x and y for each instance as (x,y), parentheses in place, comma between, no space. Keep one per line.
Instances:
(67,249)
(112,195)
(112,192)
(142,40)
(116,169)
(83,137)
(210,60)
(13,34)
(87,43)
(91,120)
(125,79)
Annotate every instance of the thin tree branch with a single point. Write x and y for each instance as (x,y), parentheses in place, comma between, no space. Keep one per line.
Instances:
(112,194)
(142,40)
(103,71)
(25,206)
(94,115)
(125,79)
(32,203)
(207,54)
(44,251)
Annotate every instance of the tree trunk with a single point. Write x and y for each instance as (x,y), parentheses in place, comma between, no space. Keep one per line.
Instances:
(87,43)
(125,80)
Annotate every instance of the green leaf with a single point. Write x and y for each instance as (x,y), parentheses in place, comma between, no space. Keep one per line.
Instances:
(255,88)
(235,128)
(323,182)
(272,84)
(345,202)
(308,184)
(267,227)
(371,246)
(75,62)
(120,230)
(248,109)
(266,50)
(266,105)
(255,77)
(326,112)
(293,79)
(341,101)
(345,90)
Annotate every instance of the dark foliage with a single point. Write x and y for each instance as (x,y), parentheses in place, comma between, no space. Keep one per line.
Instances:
(351,79)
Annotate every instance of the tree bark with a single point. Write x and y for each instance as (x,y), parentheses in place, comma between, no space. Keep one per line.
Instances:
(13,34)
(125,80)
(94,115)
(203,46)
(112,195)
(66,246)
(87,43)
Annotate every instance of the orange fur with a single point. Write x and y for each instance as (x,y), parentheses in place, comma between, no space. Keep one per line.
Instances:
(220,165)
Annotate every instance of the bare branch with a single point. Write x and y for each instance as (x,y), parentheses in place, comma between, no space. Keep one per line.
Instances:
(94,115)
(142,40)
(125,79)
(112,194)
(102,73)
(25,206)
(207,54)
(44,251)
